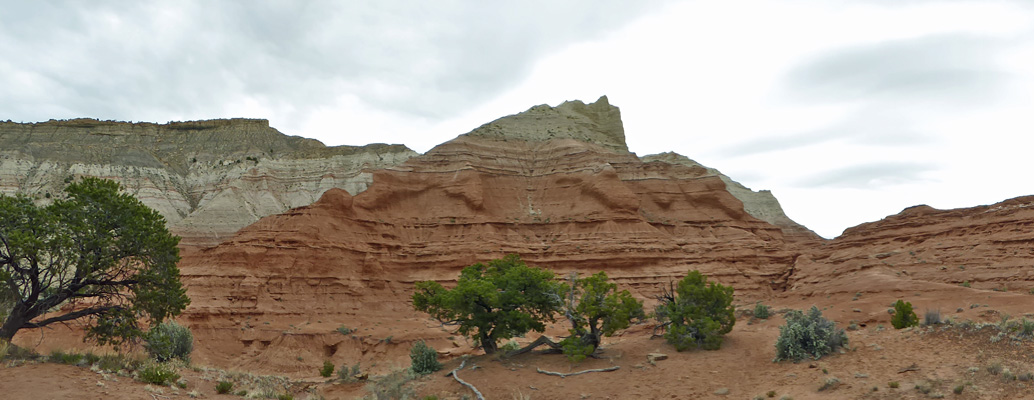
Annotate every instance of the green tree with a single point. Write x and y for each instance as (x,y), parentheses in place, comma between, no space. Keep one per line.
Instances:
(903,315)
(493,302)
(595,309)
(696,313)
(94,254)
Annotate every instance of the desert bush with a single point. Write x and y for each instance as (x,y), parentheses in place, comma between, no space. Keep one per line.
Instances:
(903,315)
(696,313)
(4,346)
(1026,329)
(347,374)
(60,357)
(117,362)
(894,384)
(224,387)
(830,383)
(808,335)
(424,358)
(159,374)
(932,317)
(510,346)
(392,386)
(344,330)
(327,370)
(169,340)
(761,311)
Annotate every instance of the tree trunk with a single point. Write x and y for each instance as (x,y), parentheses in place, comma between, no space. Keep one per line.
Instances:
(488,344)
(13,323)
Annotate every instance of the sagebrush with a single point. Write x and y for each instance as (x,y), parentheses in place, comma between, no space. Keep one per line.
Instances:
(169,340)
(808,336)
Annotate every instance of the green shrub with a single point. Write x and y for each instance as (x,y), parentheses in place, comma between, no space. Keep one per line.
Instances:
(761,311)
(90,358)
(344,330)
(159,374)
(392,386)
(510,346)
(696,313)
(894,385)
(327,370)
(806,336)
(903,315)
(1026,329)
(60,357)
(348,375)
(169,340)
(224,387)
(424,358)
(284,396)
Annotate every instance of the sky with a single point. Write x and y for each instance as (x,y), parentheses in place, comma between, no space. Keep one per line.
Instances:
(847,110)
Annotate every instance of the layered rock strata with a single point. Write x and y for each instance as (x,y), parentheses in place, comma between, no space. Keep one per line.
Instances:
(549,193)
(986,248)
(208,178)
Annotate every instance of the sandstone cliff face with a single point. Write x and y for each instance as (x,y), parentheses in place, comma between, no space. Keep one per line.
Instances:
(988,246)
(761,204)
(208,178)
(562,202)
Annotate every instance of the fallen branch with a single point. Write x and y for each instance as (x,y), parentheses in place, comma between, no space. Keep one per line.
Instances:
(563,375)
(541,341)
(457,378)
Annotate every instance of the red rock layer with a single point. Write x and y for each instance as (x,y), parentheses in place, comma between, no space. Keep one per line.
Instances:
(284,283)
(991,247)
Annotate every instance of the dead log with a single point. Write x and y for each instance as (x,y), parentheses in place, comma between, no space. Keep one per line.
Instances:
(563,375)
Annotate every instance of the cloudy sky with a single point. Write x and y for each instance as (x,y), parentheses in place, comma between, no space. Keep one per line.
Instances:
(848,110)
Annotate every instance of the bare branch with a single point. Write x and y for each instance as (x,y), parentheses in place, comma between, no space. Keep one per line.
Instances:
(70,316)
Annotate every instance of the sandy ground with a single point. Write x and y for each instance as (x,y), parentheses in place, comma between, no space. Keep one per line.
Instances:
(934,359)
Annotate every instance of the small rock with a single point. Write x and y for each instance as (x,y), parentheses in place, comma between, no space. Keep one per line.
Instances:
(654,357)
(857,310)
(722,391)
(640,366)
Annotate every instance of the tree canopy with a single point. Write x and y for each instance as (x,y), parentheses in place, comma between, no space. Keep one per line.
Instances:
(696,313)
(500,300)
(595,308)
(95,254)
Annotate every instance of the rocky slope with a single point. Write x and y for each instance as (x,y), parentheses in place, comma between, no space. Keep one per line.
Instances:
(545,190)
(985,247)
(208,178)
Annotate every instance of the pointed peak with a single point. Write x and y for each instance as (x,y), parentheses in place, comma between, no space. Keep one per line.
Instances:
(598,123)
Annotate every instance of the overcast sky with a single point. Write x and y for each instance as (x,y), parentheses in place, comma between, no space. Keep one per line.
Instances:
(847,110)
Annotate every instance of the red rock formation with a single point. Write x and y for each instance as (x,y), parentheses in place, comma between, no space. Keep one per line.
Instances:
(988,246)
(561,203)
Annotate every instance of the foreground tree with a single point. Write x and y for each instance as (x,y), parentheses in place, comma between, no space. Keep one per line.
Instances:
(696,313)
(493,302)
(595,309)
(95,254)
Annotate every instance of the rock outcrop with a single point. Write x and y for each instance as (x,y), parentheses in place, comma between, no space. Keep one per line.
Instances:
(761,204)
(564,194)
(986,247)
(208,178)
